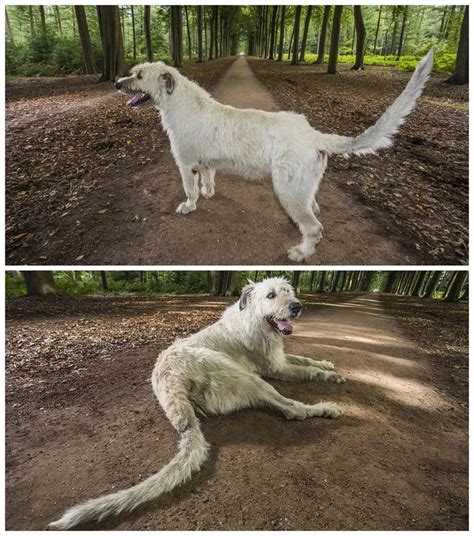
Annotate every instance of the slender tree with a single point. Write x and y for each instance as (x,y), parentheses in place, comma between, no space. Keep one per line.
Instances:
(32,21)
(377,30)
(103,278)
(273,31)
(43,21)
(112,42)
(461,69)
(147,28)
(134,36)
(304,39)
(188,31)
(335,34)
(199,32)
(87,51)
(282,33)
(402,32)
(322,35)
(177,35)
(296,35)
(360,31)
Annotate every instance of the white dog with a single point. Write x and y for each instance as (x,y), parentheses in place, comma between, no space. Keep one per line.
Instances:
(207,136)
(215,371)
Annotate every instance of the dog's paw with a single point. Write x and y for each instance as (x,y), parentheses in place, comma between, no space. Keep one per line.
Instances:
(207,192)
(325,365)
(184,208)
(335,378)
(332,411)
(295,254)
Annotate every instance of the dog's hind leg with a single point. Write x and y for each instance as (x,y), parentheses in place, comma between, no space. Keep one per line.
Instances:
(298,204)
(191,188)
(208,182)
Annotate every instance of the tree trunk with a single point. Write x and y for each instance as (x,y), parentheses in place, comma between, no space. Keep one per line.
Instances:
(199,32)
(296,34)
(134,36)
(112,42)
(188,31)
(32,21)
(295,281)
(336,32)
(322,35)
(322,281)
(211,34)
(40,283)
(43,21)
(432,284)
(307,20)
(335,282)
(360,30)
(9,28)
(273,32)
(216,33)
(402,32)
(282,33)
(461,69)
(177,35)
(103,278)
(377,30)
(87,52)
(419,283)
(147,28)
(456,286)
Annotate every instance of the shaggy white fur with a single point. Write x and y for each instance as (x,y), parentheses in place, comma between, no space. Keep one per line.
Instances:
(207,136)
(216,371)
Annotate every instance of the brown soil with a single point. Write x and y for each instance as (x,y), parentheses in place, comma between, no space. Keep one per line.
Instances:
(92,182)
(82,420)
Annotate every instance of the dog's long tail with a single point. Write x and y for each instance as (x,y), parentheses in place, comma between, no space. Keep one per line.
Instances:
(193,451)
(379,135)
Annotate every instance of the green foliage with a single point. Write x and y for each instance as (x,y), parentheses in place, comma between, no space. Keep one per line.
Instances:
(14,286)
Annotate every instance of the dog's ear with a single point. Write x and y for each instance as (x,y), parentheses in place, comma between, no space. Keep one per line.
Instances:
(245,296)
(169,82)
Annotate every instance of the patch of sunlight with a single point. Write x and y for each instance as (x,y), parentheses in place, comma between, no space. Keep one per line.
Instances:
(410,392)
(446,104)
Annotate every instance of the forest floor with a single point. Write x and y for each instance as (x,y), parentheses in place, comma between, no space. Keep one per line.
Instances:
(90,181)
(81,418)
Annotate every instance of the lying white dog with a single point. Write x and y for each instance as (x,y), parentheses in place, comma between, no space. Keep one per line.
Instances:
(207,136)
(215,371)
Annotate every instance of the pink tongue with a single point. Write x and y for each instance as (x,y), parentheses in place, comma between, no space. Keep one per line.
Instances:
(134,99)
(284,325)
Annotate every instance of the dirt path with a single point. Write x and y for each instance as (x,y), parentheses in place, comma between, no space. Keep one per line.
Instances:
(243,223)
(126,215)
(396,461)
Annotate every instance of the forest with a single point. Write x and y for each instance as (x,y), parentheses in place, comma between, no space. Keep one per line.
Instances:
(75,151)
(80,407)
(450,286)
(52,40)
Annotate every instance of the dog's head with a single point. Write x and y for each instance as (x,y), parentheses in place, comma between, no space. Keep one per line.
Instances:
(273,302)
(147,81)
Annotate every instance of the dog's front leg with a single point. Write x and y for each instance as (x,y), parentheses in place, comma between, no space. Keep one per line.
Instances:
(309,362)
(191,189)
(295,373)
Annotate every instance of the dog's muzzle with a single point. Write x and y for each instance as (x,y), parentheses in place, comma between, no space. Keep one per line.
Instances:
(295,309)
(118,85)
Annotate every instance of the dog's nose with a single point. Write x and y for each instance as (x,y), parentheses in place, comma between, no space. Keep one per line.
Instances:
(295,307)
(118,85)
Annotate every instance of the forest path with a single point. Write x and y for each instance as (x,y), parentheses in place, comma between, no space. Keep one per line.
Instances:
(397,459)
(242,224)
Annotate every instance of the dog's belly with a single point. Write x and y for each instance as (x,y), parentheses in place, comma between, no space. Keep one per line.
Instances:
(251,170)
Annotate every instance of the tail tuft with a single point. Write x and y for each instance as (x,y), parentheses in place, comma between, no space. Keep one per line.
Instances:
(380,135)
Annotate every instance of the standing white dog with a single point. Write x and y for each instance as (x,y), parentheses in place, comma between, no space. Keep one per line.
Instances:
(215,371)
(207,136)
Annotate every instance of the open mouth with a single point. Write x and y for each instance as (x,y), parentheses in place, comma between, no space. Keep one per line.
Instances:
(280,325)
(138,99)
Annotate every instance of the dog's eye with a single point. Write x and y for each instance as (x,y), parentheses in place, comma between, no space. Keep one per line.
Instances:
(271,295)
(139,75)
